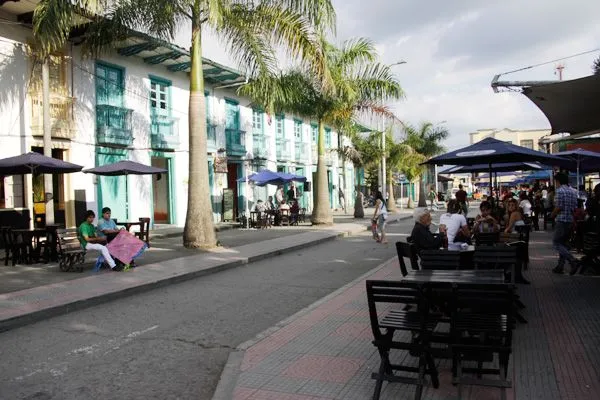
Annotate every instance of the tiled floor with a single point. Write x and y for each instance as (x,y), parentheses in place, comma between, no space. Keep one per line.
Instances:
(327,353)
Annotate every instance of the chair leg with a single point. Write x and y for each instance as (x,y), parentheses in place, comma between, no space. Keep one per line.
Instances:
(422,367)
(379,382)
(458,376)
(435,380)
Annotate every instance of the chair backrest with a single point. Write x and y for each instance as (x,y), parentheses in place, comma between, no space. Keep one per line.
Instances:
(392,292)
(486,238)
(407,250)
(68,239)
(591,243)
(145,229)
(523,231)
(7,238)
(440,259)
(495,257)
(486,299)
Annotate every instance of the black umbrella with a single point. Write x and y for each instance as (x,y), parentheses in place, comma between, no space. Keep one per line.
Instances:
(35,163)
(125,167)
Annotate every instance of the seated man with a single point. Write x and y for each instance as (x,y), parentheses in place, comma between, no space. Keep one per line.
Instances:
(270,206)
(294,211)
(260,206)
(485,222)
(456,224)
(422,237)
(89,240)
(107,226)
(284,206)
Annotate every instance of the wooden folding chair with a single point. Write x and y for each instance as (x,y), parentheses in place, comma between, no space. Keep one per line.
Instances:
(384,324)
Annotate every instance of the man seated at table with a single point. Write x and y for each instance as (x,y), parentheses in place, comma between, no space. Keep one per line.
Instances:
(260,206)
(485,222)
(422,237)
(269,205)
(294,211)
(106,225)
(90,241)
(457,229)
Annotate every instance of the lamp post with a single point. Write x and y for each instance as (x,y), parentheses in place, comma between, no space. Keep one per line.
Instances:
(383,161)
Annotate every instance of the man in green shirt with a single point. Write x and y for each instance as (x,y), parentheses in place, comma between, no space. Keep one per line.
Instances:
(89,240)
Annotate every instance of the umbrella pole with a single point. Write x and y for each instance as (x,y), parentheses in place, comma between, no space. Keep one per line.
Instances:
(490,176)
(577,176)
(127,197)
(247,213)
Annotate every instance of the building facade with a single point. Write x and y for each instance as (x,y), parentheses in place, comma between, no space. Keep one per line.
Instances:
(528,138)
(133,104)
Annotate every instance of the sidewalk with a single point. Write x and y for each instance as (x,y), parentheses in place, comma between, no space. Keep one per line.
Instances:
(53,292)
(325,352)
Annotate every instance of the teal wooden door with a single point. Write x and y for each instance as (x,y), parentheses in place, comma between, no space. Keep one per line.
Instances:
(112,189)
(109,85)
(232,115)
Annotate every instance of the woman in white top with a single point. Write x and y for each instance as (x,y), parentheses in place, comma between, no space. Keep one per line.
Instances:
(455,224)
(525,204)
(380,216)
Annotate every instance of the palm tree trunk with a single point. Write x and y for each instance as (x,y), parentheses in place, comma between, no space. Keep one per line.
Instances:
(391,204)
(47,127)
(322,211)
(199,231)
(422,192)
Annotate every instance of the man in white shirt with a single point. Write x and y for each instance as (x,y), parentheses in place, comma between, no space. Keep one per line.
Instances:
(454,223)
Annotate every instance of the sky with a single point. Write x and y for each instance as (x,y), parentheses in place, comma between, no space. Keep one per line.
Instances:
(454,48)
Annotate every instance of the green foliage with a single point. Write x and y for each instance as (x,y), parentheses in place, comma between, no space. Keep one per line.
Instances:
(596,66)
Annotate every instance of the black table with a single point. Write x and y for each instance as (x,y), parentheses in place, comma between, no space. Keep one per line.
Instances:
(456,276)
(29,237)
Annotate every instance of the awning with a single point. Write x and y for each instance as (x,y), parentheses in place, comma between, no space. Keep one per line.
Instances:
(570,106)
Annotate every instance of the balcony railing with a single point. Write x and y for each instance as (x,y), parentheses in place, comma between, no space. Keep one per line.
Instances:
(164,133)
(211,137)
(236,142)
(259,146)
(113,125)
(282,149)
(301,151)
(61,116)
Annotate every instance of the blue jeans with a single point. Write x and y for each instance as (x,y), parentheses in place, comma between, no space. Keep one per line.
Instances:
(562,232)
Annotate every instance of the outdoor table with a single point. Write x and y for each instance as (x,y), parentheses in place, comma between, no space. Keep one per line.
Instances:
(28,236)
(456,276)
(51,251)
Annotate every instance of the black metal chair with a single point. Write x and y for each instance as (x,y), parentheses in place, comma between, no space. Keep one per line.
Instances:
(440,259)
(482,324)
(384,324)
(407,250)
(497,257)
(486,238)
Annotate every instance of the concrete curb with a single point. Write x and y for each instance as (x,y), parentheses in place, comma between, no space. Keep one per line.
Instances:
(231,370)
(61,309)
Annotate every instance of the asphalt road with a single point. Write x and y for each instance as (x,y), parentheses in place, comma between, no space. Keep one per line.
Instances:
(171,343)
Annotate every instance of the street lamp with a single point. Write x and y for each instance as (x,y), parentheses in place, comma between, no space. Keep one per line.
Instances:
(383,162)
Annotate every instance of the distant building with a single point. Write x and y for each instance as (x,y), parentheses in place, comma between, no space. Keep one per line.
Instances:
(528,138)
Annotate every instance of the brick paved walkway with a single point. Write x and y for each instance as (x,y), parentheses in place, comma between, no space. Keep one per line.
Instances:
(326,352)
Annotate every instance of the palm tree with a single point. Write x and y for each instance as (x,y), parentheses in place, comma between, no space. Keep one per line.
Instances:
(425,140)
(401,157)
(252,30)
(359,83)
(596,66)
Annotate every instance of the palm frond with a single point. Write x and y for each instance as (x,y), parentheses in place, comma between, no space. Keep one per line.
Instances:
(320,13)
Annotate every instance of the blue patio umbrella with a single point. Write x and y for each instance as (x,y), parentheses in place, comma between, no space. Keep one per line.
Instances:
(262,178)
(584,160)
(35,163)
(490,151)
(497,167)
(291,177)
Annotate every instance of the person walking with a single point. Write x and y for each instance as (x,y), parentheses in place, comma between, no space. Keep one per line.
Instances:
(380,216)
(279,195)
(342,198)
(565,203)
(461,197)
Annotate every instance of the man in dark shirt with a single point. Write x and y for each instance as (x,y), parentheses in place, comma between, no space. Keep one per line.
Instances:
(461,197)
(422,237)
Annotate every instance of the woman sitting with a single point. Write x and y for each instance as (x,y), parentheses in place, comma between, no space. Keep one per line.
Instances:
(513,216)
(485,222)
(457,229)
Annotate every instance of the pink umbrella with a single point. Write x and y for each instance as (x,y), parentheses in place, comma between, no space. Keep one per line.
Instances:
(125,246)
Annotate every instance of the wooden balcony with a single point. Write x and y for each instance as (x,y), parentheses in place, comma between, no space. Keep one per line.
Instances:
(236,142)
(282,147)
(301,152)
(260,149)
(61,116)
(113,126)
(164,133)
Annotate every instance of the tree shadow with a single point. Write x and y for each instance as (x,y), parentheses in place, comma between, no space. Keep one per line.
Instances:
(14,81)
